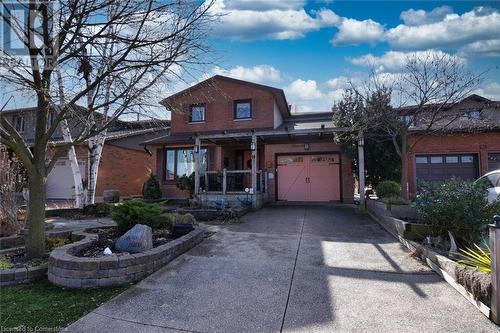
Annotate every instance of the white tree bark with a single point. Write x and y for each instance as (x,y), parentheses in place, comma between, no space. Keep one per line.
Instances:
(73,161)
(96,145)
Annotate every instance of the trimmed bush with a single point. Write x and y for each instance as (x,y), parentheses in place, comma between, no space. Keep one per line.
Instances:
(388,189)
(457,206)
(152,189)
(129,213)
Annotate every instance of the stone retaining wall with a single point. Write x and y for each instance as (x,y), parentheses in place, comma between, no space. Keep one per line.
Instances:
(67,270)
(22,275)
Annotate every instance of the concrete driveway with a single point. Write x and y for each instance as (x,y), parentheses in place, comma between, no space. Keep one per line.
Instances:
(292,269)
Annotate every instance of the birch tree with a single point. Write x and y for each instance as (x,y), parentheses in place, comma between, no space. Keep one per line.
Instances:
(155,44)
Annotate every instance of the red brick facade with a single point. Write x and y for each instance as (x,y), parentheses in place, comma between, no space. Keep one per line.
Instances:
(124,170)
(478,143)
(219,102)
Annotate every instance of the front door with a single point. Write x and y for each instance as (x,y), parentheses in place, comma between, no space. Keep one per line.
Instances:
(309,177)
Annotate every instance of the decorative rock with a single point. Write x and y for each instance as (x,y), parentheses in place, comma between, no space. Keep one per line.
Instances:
(137,239)
(107,251)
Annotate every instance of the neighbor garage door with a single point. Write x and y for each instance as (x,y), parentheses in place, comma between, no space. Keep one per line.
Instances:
(60,183)
(446,166)
(309,177)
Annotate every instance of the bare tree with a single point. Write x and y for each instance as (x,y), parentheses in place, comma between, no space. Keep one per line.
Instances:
(416,102)
(111,55)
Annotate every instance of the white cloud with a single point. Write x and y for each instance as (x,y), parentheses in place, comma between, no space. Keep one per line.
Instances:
(263,4)
(453,30)
(303,90)
(395,60)
(244,20)
(259,73)
(414,17)
(352,31)
(490,90)
(486,48)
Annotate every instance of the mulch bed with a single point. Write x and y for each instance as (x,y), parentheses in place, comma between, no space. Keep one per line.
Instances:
(108,237)
(19,259)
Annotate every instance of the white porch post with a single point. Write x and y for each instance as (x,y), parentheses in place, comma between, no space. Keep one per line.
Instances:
(361,167)
(495,269)
(197,149)
(254,170)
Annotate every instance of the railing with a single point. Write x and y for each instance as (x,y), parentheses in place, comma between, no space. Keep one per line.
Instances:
(227,181)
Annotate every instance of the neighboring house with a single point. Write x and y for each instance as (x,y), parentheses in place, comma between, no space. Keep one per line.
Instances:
(124,164)
(250,146)
(468,148)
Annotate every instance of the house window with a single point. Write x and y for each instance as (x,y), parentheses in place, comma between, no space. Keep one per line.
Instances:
(421,159)
(18,123)
(197,113)
(472,115)
(436,159)
(243,109)
(180,162)
(170,163)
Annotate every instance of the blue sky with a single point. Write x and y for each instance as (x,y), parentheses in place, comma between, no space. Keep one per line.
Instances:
(310,48)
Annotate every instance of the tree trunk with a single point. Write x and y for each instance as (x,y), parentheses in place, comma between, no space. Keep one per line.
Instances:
(404,167)
(96,145)
(35,215)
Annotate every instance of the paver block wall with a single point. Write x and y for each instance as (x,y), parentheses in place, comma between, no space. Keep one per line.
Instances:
(67,270)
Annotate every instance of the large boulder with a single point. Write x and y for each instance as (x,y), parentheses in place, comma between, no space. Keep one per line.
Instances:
(137,239)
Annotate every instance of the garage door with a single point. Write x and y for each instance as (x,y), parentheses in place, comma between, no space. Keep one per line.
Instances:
(60,183)
(446,166)
(309,178)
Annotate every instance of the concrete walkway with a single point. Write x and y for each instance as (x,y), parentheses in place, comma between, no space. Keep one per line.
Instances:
(292,269)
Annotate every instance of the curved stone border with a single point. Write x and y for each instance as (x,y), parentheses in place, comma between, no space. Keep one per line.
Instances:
(67,270)
(22,275)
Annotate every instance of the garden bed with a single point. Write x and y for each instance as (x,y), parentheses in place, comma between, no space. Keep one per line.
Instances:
(106,238)
(66,269)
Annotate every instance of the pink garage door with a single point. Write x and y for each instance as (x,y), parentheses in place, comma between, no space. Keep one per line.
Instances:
(309,178)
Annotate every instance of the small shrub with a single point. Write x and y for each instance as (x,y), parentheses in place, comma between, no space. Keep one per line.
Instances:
(53,242)
(395,201)
(476,257)
(152,189)
(458,206)
(129,213)
(5,264)
(388,189)
(185,219)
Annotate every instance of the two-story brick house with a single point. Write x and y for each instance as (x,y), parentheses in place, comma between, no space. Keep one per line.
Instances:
(240,141)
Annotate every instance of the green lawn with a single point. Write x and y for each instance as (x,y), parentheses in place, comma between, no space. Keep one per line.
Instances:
(42,304)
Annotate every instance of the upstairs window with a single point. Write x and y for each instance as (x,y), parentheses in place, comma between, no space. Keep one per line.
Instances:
(243,109)
(472,115)
(18,123)
(197,113)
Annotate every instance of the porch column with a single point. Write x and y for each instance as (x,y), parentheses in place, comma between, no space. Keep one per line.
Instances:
(254,170)
(361,167)
(197,148)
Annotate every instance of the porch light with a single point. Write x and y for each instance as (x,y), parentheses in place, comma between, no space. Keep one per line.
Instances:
(306,146)
(196,149)
(252,146)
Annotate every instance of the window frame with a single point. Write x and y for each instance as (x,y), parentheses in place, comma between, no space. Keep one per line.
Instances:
(176,152)
(20,117)
(236,102)
(204,105)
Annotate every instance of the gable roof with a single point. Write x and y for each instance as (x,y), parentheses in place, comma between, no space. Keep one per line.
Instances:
(278,93)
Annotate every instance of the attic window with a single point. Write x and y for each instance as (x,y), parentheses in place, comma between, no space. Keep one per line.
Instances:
(197,113)
(18,123)
(243,109)
(472,115)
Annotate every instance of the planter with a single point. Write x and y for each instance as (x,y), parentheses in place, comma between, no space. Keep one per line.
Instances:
(22,275)
(67,270)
